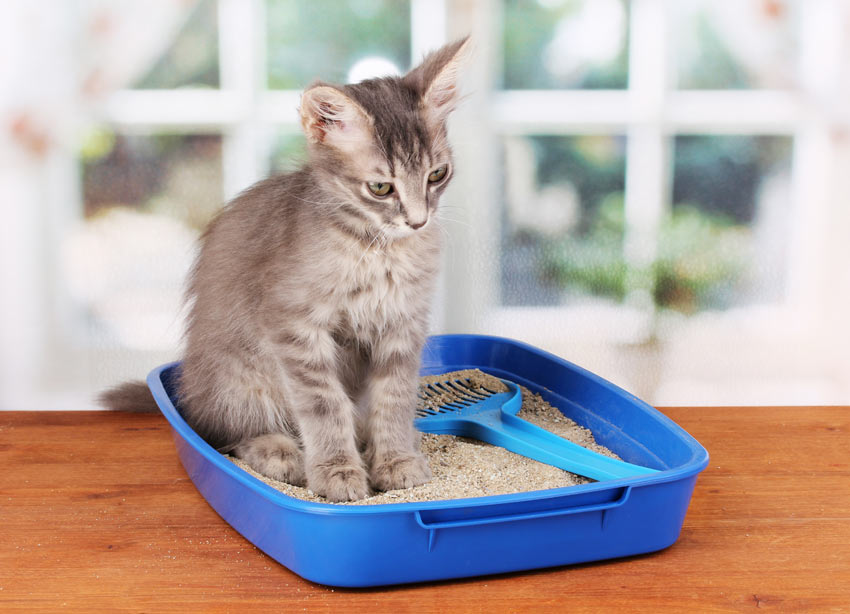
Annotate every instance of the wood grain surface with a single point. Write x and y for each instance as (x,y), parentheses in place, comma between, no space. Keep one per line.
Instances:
(97,515)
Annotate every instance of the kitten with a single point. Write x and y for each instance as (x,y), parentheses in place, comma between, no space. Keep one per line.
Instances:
(309,299)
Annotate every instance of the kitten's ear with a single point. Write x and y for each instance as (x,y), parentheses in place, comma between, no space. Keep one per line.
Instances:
(436,79)
(329,116)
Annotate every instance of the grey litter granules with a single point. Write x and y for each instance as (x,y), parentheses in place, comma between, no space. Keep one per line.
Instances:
(464,467)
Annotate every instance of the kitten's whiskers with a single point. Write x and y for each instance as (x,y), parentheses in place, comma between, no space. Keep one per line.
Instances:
(449,219)
(366,251)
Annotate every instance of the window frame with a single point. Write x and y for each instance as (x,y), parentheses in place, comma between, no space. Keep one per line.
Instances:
(649,112)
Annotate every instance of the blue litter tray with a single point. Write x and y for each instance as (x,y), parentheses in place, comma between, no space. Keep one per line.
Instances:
(373,545)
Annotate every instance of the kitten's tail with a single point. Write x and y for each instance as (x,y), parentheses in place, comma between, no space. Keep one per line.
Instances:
(132,397)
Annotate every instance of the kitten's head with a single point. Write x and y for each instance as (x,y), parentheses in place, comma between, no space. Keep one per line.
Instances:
(381,144)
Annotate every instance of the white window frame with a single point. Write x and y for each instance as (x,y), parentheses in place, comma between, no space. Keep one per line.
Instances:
(243,109)
(46,327)
(648,112)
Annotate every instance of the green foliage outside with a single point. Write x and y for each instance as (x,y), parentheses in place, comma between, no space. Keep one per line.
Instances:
(308,39)
(700,258)
(289,151)
(305,40)
(191,60)
(594,164)
(177,175)
(715,67)
(529,27)
(703,242)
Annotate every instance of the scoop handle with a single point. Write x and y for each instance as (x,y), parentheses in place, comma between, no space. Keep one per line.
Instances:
(529,440)
(541,445)
(494,421)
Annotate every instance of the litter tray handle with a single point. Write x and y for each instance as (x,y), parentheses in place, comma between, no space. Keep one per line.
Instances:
(560,511)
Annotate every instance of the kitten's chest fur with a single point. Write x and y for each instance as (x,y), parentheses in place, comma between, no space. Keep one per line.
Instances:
(384,286)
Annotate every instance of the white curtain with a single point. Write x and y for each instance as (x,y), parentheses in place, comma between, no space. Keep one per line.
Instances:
(58,60)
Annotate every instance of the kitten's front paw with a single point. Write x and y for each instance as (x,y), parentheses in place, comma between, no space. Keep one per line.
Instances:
(402,470)
(339,481)
(275,455)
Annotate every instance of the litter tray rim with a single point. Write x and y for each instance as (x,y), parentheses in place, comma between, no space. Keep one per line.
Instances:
(698,462)
(699,455)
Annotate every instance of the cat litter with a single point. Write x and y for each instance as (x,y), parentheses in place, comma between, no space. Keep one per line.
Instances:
(464,467)
(473,533)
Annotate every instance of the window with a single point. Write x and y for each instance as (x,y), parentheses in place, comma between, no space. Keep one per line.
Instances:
(212,112)
(642,185)
(665,174)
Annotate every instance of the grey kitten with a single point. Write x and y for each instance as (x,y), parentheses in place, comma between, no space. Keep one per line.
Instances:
(309,299)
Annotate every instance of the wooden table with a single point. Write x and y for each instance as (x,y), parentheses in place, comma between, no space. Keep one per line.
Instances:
(97,515)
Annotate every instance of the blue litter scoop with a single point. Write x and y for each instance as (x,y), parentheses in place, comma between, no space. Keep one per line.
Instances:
(469,409)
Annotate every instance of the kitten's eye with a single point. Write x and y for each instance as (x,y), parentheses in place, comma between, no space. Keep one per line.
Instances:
(438,173)
(380,188)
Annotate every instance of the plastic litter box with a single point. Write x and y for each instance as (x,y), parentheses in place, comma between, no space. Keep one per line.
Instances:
(373,545)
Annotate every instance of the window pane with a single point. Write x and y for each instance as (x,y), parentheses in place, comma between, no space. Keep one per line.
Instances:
(178,175)
(310,39)
(563,223)
(556,44)
(724,242)
(191,60)
(146,199)
(289,151)
(735,44)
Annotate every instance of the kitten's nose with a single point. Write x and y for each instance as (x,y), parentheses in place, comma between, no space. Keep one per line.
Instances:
(418,225)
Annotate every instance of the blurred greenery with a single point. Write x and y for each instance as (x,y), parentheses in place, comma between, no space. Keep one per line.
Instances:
(712,52)
(714,67)
(592,264)
(191,60)
(178,175)
(592,167)
(299,32)
(701,256)
(705,241)
(97,143)
(530,27)
(288,151)
(723,173)
(595,165)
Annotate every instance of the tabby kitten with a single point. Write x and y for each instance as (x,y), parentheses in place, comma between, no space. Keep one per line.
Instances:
(309,299)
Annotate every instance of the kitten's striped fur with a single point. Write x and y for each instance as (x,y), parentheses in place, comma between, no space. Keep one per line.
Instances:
(309,299)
